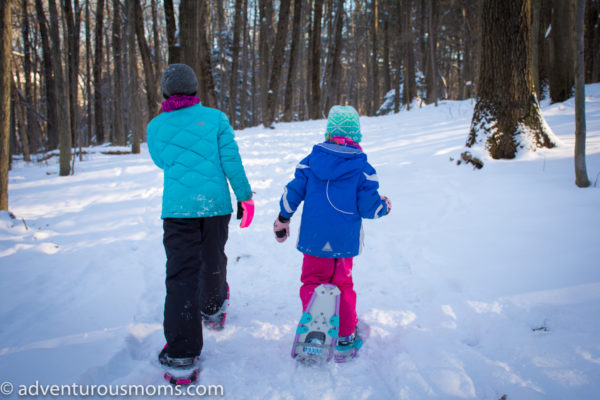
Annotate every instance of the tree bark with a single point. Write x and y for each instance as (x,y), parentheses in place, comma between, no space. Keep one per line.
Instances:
(562,63)
(195,51)
(432,68)
(88,75)
(374,95)
(174,49)
(135,119)
(117,40)
(581,178)
(5,79)
(266,17)
(315,62)
(147,62)
(535,45)
(332,74)
(64,126)
(98,97)
(507,116)
(289,86)
(234,77)
(73,18)
(278,59)
(408,43)
(246,49)
(48,61)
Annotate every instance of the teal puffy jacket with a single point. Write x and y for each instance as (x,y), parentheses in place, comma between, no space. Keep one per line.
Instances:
(195,147)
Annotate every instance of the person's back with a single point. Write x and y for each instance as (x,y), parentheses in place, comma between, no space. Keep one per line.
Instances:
(195,146)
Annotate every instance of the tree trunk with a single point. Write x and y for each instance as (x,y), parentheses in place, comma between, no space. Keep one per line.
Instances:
(30,132)
(592,41)
(98,97)
(135,115)
(88,71)
(374,95)
(264,51)
(73,28)
(296,40)
(507,116)
(246,49)
(535,45)
(147,62)
(51,99)
(117,40)
(581,178)
(278,59)
(5,74)
(64,126)
(174,49)
(315,62)
(234,78)
(157,61)
(409,86)
(332,74)
(432,68)
(195,51)
(562,72)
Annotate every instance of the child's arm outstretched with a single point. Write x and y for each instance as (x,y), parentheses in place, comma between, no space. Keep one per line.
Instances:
(293,195)
(370,203)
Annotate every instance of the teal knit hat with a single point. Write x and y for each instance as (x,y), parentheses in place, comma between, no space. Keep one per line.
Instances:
(343,121)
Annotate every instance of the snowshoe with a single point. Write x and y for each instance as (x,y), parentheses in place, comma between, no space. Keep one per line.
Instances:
(347,347)
(179,371)
(317,330)
(216,321)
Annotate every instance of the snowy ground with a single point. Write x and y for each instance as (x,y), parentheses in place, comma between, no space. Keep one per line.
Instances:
(478,284)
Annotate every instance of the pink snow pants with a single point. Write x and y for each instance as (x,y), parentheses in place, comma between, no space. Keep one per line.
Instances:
(337,271)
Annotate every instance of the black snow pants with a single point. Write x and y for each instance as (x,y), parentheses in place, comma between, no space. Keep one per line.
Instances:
(196,278)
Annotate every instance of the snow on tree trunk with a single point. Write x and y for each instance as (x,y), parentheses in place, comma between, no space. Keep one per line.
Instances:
(507,116)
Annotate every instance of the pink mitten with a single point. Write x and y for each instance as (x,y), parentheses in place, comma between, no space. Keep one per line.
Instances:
(281,229)
(388,204)
(248,213)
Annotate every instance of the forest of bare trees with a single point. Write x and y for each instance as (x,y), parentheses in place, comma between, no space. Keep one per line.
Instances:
(85,72)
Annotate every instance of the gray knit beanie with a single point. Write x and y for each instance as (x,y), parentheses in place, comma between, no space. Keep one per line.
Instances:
(179,79)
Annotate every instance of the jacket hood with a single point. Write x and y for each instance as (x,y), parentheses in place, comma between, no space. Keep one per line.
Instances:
(330,161)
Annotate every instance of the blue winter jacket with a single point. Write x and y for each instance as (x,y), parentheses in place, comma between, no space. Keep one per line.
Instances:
(339,188)
(195,147)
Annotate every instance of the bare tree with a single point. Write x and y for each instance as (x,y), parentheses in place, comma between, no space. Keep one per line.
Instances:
(63,124)
(562,72)
(581,178)
(294,47)
(50,82)
(73,17)
(135,120)
(98,98)
(117,41)
(147,62)
(315,61)
(235,53)
(333,68)
(5,73)
(277,64)
(195,50)
(171,31)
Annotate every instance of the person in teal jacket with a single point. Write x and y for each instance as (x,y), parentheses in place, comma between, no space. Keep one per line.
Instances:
(195,147)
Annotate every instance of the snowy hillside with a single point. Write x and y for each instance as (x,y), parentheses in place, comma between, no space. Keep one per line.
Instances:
(478,284)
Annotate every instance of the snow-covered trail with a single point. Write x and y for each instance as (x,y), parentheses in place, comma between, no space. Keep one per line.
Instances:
(478,284)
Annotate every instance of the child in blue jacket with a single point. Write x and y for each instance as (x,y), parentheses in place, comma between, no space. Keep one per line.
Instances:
(195,147)
(339,189)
